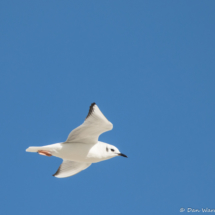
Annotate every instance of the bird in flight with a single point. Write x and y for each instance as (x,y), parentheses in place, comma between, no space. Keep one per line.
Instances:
(82,147)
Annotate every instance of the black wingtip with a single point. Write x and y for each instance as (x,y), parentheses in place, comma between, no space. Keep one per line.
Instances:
(91,109)
(58,170)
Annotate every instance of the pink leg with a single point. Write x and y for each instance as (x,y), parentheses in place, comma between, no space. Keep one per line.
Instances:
(44,152)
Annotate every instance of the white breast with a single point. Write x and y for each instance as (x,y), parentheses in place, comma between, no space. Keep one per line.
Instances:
(80,152)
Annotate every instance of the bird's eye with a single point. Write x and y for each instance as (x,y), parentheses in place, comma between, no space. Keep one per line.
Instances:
(107,149)
(112,150)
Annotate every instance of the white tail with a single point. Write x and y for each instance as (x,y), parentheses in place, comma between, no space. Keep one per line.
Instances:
(33,149)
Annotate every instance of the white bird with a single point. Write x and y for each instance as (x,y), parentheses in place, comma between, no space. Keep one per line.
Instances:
(82,147)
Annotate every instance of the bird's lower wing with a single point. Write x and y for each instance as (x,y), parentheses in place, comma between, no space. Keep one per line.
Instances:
(69,168)
(94,125)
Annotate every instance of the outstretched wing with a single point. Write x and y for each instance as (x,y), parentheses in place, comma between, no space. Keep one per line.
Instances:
(94,125)
(69,168)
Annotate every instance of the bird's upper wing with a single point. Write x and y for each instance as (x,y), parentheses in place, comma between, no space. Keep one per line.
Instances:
(69,168)
(94,125)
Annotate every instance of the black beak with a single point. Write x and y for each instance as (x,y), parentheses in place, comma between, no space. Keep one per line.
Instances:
(120,154)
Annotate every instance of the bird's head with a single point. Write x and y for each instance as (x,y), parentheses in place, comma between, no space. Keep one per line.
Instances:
(113,151)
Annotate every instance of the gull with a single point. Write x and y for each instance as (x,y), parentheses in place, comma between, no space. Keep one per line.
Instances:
(82,147)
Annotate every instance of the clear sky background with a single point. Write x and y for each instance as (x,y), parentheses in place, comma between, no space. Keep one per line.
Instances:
(150,67)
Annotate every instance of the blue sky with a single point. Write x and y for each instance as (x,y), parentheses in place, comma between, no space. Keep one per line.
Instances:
(149,65)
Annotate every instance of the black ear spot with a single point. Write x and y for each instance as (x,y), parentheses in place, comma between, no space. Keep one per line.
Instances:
(107,149)
(112,150)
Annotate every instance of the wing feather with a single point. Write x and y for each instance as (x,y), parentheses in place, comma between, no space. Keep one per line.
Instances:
(69,168)
(94,125)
